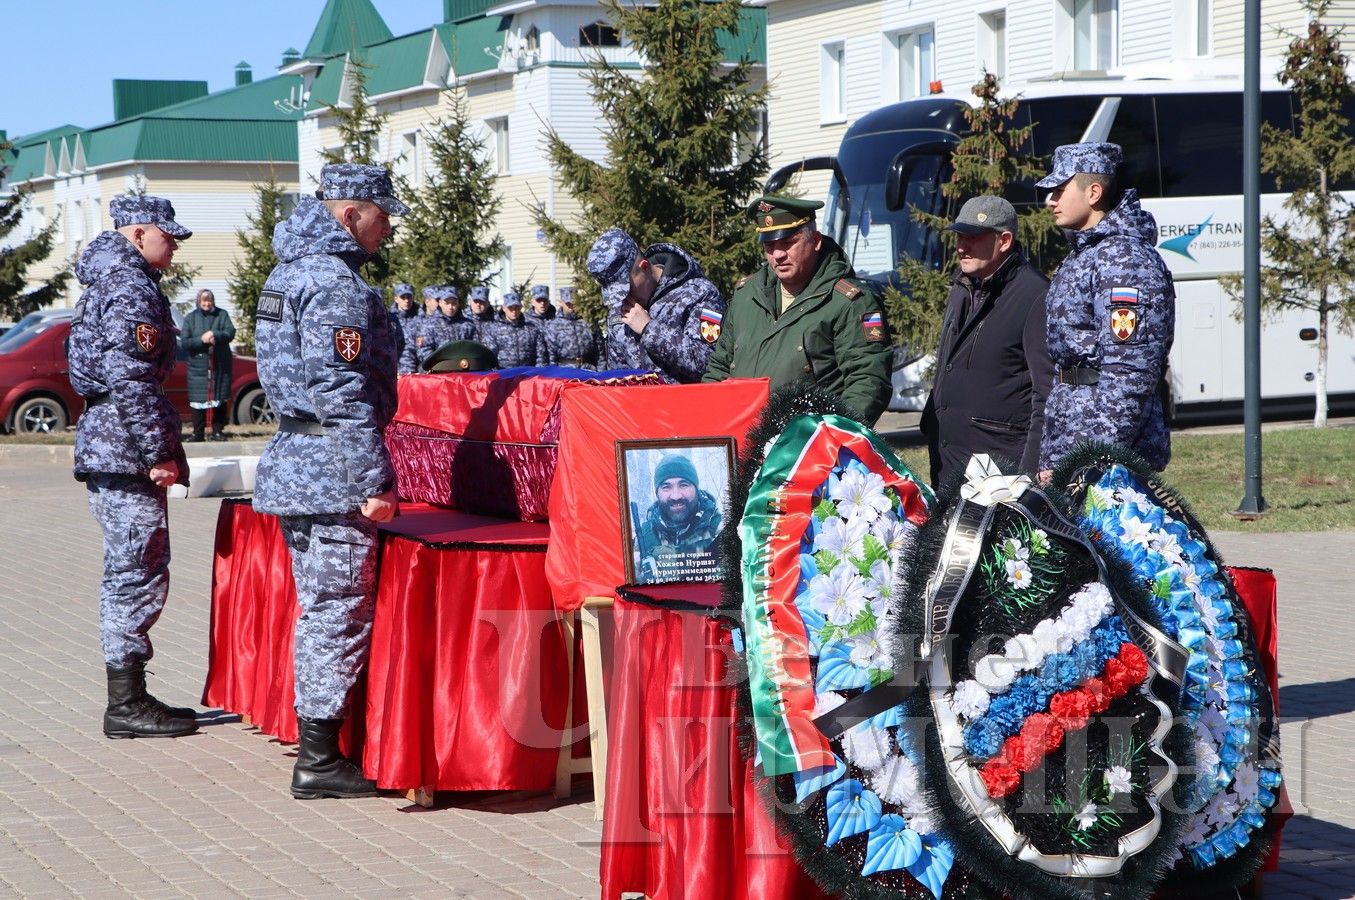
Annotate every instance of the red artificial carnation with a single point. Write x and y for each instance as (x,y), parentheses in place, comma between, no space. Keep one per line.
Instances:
(1072,708)
(1044,731)
(999,780)
(1135,662)
(1116,678)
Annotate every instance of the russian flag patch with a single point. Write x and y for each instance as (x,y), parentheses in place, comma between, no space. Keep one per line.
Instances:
(874,326)
(710,325)
(1120,296)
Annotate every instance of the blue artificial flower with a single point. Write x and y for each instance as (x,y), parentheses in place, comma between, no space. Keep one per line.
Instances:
(851,809)
(983,738)
(891,845)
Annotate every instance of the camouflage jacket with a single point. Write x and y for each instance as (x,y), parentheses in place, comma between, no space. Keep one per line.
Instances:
(403,324)
(667,552)
(673,342)
(571,341)
(326,353)
(122,348)
(430,334)
(833,335)
(515,343)
(1112,308)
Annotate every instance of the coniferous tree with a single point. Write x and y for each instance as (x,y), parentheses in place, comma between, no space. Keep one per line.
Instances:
(1310,251)
(256,260)
(992,155)
(680,166)
(448,236)
(16,300)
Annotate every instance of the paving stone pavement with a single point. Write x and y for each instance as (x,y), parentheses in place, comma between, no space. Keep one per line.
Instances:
(211,816)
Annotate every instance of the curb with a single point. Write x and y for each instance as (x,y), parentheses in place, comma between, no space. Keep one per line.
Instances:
(64,454)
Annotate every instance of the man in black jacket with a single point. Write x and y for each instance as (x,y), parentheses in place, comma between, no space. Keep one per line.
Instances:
(993,369)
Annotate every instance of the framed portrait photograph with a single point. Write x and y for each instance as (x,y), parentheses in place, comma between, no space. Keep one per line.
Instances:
(673,495)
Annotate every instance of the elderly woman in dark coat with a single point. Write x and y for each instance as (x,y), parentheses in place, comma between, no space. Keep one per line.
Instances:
(206,337)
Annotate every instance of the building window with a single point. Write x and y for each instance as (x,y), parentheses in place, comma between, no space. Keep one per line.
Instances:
(503,276)
(411,166)
(1096,34)
(993,46)
(1201,27)
(755,138)
(497,146)
(531,41)
(833,82)
(599,34)
(917,61)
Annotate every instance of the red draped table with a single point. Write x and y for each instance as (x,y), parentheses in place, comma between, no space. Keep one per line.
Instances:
(683,820)
(467,685)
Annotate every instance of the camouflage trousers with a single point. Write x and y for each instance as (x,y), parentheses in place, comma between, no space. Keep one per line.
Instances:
(334,566)
(134,516)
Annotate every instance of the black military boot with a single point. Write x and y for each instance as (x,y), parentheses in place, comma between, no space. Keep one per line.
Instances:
(133,713)
(321,770)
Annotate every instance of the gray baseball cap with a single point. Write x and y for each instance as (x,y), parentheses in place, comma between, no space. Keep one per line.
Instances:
(1090,158)
(985,213)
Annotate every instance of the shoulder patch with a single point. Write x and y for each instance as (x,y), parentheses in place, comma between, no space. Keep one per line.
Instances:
(270,307)
(710,324)
(872,323)
(1122,296)
(741,282)
(347,344)
(847,289)
(147,336)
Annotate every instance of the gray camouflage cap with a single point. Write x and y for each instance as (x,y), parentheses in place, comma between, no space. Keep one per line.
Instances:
(985,213)
(355,181)
(430,292)
(480,293)
(403,289)
(512,298)
(540,292)
(448,292)
(567,295)
(610,260)
(157,211)
(1089,158)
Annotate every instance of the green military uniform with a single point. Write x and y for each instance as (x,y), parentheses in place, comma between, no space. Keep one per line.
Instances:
(833,334)
(461,356)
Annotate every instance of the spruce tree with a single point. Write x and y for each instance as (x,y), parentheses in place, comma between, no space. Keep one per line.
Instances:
(992,155)
(16,300)
(679,167)
(251,268)
(448,236)
(1310,250)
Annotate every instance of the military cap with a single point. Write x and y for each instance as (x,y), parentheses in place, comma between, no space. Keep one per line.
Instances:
(479,294)
(355,181)
(540,292)
(461,356)
(129,210)
(675,465)
(776,217)
(430,292)
(985,213)
(610,260)
(1089,158)
(567,295)
(448,292)
(403,289)
(512,298)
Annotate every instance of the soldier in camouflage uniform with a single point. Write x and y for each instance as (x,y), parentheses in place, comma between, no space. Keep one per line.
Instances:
(481,310)
(677,537)
(513,341)
(1112,314)
(127,446)
(805,316)
(404,318)
(326,354)
(570,340)
(662,311)
(542,311)
(446,327)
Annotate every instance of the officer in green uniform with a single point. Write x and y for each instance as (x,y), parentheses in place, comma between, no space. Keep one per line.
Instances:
(805,315)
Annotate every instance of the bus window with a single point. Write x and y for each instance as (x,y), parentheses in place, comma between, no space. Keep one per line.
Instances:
(1058,120)
(1135,130)
(1201,150)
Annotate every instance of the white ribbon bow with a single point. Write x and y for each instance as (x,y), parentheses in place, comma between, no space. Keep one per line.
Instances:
(985,484)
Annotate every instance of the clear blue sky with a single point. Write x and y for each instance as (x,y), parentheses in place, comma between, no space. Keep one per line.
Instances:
(61,56)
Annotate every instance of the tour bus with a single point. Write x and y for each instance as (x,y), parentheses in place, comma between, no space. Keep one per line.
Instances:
(1182,141)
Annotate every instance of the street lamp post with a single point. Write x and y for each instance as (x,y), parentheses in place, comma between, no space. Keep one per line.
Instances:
(1253,503)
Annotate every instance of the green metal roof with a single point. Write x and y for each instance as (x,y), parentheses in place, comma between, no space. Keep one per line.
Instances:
(28,156)
(256,100)
(345,25)
(456,10)
(192,140)
(137,96)
(751,41)
(466,42)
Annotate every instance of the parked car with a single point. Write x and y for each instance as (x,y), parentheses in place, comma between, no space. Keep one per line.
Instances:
(35,389)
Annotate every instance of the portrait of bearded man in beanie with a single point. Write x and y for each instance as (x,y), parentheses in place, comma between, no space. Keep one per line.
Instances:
(674,500)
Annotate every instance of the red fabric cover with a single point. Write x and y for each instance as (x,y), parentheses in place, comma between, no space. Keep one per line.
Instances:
(1257,589)
(480,406)
(510,481)
(431,697)
(683,821)
(586,557)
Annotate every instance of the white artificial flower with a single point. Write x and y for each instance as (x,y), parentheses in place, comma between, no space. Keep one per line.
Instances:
(1206,756)
(1023,650)
(868,653)
(1064,637)
(1209,614)
(1046,635)
(1199,831)
(893,532)
(866,746)
(1165,543)
(994,673)
(841,537)
(880,582)
(896,781)
(1118,780)
(840,595)
(1086,817)
(970,700)
(1019,575)
(1137,498)
(1217,723)
(1012,548)
(860,495)
(827,702)
(1246,782)
(922,824)
(1221,810)
(1136,531)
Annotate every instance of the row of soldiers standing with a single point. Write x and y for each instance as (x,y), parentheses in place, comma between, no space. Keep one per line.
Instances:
(538,337)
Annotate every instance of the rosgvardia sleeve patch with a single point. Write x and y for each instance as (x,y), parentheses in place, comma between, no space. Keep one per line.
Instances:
(347,344)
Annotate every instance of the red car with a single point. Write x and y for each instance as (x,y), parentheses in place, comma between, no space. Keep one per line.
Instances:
(35,390)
